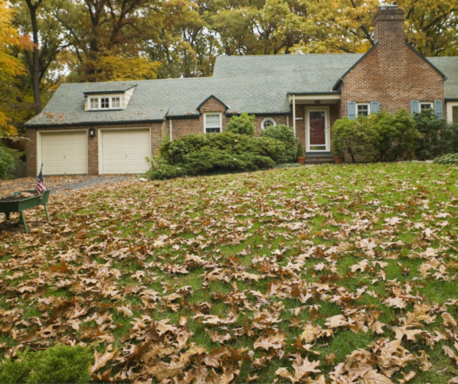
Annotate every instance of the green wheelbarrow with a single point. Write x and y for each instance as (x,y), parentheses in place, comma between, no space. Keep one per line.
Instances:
(16,204)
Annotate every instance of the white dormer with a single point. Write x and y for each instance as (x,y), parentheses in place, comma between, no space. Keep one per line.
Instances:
(108,100)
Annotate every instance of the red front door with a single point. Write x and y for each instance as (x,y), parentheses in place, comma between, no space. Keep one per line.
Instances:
(317,130)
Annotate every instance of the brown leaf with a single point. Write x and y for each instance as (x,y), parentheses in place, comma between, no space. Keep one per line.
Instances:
(373,377)
(329,359)
(100,360)
(302,368)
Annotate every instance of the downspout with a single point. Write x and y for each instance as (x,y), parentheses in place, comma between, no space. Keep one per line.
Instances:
(294,115)
(171,131)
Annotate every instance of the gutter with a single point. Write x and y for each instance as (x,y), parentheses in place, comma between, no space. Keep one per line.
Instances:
(88,123)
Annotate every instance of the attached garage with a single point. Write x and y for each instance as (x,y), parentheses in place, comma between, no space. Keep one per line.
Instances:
(63,153)
(124,150)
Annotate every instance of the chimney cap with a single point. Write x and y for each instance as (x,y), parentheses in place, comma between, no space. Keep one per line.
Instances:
(387,7)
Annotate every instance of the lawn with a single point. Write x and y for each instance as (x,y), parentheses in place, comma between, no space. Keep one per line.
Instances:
(335,274)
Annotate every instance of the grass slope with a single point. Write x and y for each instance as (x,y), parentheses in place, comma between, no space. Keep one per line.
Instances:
(250,270)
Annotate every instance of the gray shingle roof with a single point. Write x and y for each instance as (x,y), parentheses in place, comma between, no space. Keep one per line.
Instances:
(255,84)
(449,67)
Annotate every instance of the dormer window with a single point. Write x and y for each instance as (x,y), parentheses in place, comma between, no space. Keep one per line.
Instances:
(105,102)
(116,98)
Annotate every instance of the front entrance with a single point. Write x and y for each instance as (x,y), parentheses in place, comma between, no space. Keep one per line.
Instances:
(318,135)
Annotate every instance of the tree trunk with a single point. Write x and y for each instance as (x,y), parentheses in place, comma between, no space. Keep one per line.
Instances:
(34,64)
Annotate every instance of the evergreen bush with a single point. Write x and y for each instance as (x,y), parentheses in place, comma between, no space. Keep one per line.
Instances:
(7,163)
(58,364)
(451,158)
(358,137)
(397,135)
(434,140)
(241,125)
(285,134)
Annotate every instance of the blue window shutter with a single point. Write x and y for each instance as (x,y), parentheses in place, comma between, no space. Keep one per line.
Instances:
(351,110)
(414,106)
(374,107)
(438,108)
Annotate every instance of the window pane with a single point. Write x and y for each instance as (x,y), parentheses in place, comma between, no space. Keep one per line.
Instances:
(268,123)
(212,130)
(425,106)
(104,101)
(212,120)
(115,102)
(94,103)
(363,109)
(455,114)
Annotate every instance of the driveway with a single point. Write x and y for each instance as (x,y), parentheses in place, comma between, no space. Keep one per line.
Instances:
(60,183)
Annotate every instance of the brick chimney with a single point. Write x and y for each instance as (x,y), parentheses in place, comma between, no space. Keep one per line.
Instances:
(389,25)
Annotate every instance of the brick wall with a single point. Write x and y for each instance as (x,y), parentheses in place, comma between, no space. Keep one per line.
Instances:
(392,73)
(92,145)
(182,126)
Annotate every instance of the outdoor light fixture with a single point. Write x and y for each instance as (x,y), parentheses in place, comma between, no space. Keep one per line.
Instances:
(92,131)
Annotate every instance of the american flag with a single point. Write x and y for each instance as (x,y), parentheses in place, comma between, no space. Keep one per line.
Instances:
(41,187)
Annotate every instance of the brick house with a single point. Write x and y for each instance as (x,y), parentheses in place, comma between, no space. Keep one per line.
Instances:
(109,128)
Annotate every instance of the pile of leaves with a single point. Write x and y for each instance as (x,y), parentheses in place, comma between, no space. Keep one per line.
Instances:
(305,275)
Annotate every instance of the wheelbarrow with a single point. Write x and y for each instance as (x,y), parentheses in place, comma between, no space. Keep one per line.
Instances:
(21,205)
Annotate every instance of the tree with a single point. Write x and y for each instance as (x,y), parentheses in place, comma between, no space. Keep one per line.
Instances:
(347,26)
(10,67)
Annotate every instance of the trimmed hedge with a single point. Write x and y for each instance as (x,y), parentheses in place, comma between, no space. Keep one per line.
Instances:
(201,154)
(174,152)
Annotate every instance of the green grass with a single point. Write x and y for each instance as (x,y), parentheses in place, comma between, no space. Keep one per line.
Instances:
(244,243)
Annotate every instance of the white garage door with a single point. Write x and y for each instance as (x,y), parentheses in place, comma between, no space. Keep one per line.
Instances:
(125,151)
(64,153)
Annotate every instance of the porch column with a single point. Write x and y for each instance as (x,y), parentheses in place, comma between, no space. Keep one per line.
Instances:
(294,115)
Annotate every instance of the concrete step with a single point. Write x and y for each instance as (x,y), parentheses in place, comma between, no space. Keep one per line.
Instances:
(319,159)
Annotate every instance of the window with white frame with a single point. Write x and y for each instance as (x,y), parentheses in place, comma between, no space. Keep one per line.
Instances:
(212,122)
(268,122)
(455,114)
(363,109)
(105,102)
(424,106)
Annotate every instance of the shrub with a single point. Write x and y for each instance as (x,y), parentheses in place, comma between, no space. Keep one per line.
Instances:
(241,125)
(174,152)
(58,364)
(357,137)
(450,136)
(284,134)
(433,141)
(161,170)
(397,135)
(7,163)
(300,150)
(211,160)
(268,147)
(451,158)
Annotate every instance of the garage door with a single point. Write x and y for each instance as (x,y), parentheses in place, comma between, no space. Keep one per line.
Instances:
(64,153)
(125,151)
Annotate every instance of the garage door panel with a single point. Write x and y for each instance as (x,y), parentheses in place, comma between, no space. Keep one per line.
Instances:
(124,151)
(64,153)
